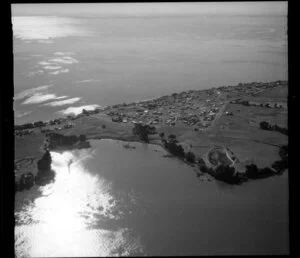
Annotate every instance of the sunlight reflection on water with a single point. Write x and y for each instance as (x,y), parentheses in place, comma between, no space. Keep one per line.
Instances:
(44,28)
(65,220)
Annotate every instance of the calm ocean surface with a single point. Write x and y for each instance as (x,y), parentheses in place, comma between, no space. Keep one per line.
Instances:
(116,201)
(73,55)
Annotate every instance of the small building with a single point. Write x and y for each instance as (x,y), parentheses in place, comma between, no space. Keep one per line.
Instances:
(116,119)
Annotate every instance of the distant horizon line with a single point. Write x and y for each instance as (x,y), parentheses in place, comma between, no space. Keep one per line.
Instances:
(160,8)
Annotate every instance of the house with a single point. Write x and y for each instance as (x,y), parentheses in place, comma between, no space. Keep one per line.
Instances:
(228,113)
(116,119)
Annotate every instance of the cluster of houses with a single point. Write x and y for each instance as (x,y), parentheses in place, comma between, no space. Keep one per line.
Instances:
(24,132)
(29,128)
(56,121)
(252,87)
(192,108)
(187,107)
(257,104)
(40,124)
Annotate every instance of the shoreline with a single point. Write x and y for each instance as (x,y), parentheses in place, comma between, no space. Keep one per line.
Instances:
(65,118)
(182,115)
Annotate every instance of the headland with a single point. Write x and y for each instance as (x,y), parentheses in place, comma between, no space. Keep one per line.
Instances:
(232,133)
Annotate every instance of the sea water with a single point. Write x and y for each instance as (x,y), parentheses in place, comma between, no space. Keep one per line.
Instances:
(83,55)
(119,201)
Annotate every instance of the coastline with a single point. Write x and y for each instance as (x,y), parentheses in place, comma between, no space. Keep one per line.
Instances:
(69,118)
(190,137)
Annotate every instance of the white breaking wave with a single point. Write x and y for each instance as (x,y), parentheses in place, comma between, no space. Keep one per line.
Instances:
(19,114)
(35,72)
(50,67)
(62,97)
(64,53)
(46,41)
(57,65)
(44,63)
(64,60)
(88,80)
(77,110)
(59,71)
(31,91)
(37,95)
(39,98)
(62,102)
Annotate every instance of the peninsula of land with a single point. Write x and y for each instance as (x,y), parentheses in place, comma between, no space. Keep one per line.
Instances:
(232,133)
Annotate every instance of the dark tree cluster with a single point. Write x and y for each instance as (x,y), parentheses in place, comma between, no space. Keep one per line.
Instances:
(205,169)
(253,172)
(45,162)
(25,126)
(85,112)
(227,174)
(280,165)
(283,152)
(283,164)
(82,138)
(26,181)
(172,145)
(172,138)
(222,173)
(175,149)
(60,139)
(246,103)
(45,174)
(190,157)
(30,125)
(265,126)
(142,131)
(280,129)
(268,127)
(200,162)
(56,140)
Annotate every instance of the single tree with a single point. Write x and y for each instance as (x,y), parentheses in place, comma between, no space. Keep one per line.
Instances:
(82,138)
(190,157)
(162,135)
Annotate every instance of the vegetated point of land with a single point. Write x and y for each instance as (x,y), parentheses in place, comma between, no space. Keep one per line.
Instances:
(228,118)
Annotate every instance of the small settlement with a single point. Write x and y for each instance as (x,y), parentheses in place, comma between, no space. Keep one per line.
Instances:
(194,108)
